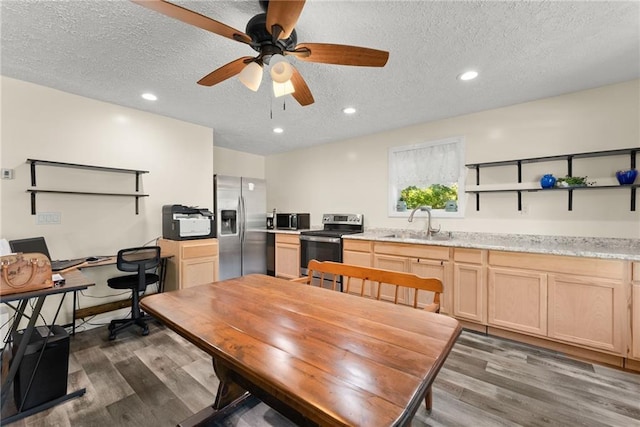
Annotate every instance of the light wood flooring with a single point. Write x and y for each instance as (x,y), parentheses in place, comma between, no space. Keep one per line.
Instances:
(160,380)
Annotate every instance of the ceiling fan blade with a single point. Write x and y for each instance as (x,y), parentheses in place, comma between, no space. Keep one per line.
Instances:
(193,18)
(224,72)
(339,54)
(284,13)
(302,93)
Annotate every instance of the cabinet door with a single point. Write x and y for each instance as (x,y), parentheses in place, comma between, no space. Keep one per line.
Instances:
(287,260)
(517,299)
(587,311)
(198,271)
(470,292)
(395,263)
(432,268)
(362,259)
(635,319)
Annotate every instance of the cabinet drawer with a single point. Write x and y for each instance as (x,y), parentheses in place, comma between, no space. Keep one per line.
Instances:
(606,269)
(199,251)
(357,245)
(471,256)
(413,251)
(635,271)
(293,239)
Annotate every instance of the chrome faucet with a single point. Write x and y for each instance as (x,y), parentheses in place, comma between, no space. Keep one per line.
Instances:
(427,209)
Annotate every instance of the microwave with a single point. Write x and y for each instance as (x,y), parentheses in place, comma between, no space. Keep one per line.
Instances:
(293,221)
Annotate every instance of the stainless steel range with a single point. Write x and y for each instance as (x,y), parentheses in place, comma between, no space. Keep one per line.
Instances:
(326,244)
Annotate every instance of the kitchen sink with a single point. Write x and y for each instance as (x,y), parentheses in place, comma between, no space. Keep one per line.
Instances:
(441,236)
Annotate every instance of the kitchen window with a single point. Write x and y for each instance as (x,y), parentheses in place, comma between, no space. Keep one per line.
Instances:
(431,173)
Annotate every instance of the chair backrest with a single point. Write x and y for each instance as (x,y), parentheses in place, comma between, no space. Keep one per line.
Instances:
(379,276)
(138,260)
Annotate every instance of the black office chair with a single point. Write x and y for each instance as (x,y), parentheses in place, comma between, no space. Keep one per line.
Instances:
(137,260)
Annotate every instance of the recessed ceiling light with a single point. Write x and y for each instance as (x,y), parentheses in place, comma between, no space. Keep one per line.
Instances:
(349,110)
(149,97)
(468,75)
(278,130)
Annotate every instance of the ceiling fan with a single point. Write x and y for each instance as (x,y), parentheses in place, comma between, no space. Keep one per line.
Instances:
(273,35)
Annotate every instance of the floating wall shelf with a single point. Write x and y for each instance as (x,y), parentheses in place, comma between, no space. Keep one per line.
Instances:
(34,191)
(631,152)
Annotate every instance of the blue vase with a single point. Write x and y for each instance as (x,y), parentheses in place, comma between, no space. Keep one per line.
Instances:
(548,181)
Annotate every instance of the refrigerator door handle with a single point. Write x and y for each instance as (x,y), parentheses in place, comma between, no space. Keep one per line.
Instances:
(243,218)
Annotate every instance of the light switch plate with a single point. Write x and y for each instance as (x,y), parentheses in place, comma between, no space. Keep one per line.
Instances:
(7,173)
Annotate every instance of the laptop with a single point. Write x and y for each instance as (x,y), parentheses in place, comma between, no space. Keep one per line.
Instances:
(37,244)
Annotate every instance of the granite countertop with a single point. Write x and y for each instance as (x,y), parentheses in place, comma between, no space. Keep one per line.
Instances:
(593,247)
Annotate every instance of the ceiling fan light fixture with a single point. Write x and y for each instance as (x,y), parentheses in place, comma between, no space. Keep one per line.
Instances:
(251,76)
(282,89)
(281,70)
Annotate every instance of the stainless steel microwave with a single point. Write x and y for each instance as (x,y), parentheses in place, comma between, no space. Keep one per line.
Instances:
(293,221)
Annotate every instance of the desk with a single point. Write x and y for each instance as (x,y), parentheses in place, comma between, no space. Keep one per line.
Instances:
(317,356)
(74,281)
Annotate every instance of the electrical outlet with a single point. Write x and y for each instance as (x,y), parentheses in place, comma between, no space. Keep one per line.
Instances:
(7,173)
(45,218)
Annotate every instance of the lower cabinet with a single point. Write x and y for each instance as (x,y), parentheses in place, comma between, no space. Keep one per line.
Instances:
(287,255)
(470,285)
(573,300)
(588,303)
(587,311)
(518,300)
(635,311)
(357,252)
(423,260)
(192,262)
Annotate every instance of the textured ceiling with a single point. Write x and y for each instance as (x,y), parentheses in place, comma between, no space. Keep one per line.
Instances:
(115,50)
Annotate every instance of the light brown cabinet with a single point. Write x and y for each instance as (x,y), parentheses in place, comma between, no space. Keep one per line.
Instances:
(470,284)
(423,260)
(192,262)
(518,300)
(358,252)
(580,301)
(588,311)
(287,255)
(635,310)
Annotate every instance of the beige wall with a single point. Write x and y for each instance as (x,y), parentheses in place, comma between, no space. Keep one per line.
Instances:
(42,123)
(351,175)
(237,163)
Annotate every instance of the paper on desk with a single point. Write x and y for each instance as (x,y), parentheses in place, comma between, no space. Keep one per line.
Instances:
(5,249)
(56,277)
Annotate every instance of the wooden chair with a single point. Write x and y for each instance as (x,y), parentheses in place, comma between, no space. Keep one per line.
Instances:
(332,271)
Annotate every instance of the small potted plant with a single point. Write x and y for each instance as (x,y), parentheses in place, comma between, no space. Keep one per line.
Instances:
(573,181)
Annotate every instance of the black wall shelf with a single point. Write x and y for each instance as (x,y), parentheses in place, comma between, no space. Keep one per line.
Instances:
(631,152)
(34,191)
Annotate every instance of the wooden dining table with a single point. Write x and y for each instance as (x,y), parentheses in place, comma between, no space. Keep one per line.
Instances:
(320,357)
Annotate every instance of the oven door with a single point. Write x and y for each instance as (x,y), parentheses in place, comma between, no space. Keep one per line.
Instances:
(320,248)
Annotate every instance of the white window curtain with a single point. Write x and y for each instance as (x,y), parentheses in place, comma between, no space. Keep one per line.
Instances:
(427,164)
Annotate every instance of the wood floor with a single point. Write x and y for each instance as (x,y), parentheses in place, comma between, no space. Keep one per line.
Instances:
(160,380)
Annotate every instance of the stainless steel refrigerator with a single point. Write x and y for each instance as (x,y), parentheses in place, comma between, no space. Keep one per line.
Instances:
(240,205)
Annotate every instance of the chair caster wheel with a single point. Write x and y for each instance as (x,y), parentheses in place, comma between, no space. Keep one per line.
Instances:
(145,331)
(112,337)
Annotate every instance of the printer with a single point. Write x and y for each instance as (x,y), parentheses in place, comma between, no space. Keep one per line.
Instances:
(186,223)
